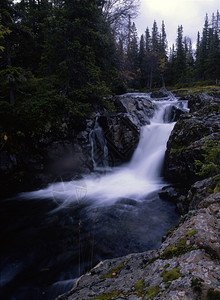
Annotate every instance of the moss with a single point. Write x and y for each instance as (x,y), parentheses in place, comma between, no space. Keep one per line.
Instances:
(209,190)
(152,260)
(167,285)
(152,291)
(176,150)
(108,296)
(191,232)
(217,188)
(196,283)
(139,286)
(166,266)
(172,229)
(171,275)
(179,249)
(213,295)
(114,271)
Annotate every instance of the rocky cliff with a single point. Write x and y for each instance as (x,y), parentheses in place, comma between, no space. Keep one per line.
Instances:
(66,152)
(186,266)
(186,142)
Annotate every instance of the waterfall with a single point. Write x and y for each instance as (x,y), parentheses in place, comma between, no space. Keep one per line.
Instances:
(135,180)
(99,149)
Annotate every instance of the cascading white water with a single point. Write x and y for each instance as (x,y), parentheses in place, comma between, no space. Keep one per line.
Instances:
(99,149)
(135,180)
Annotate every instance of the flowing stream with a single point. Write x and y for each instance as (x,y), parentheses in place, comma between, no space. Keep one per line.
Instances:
(53,235)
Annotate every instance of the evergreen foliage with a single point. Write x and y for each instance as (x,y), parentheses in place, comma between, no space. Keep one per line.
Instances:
(58,61)
(61,59)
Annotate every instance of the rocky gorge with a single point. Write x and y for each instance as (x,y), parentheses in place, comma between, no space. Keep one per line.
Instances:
(186,265)
(63,237)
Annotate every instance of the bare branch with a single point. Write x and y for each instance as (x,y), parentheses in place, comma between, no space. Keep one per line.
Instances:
(117,12)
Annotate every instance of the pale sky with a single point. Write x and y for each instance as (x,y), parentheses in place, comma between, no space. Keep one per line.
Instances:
(189,13)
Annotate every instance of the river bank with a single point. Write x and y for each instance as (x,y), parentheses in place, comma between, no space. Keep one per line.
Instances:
(186,266)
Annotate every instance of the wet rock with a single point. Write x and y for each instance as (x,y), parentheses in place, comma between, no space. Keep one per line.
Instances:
(162,93)
(170,193)
(173,114)
(122,130)
(122,137)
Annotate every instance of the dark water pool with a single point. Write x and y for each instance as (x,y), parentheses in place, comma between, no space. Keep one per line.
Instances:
(43,249)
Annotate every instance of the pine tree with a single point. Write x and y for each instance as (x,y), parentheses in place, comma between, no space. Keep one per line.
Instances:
(163,53)
(180,61)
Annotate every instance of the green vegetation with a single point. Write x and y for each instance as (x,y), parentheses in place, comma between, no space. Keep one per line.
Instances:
(108,296)
(196,283)
(191,232)
(173,228)
(168,285)
(179,249)
(210,166)
(171,275)
(139,286)
(60,61)
(213,295)
(177,150)
(152,291)
(166,266)
(148,293)
(57,65)
(114,271)
(217,188)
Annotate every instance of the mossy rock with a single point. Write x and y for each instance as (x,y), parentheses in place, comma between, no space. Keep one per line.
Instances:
(191,232)
(114,271)
(108,296)
(179,249)
(139,285)
(171,275)
(152,291)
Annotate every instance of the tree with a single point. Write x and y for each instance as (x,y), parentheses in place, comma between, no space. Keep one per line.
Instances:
(189,76)
(180,61)
(163,53)
(116,13)
(8,27)
(132,51)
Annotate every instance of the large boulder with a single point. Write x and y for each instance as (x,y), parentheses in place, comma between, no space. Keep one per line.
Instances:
(122,129)
(162,93)
(186,141)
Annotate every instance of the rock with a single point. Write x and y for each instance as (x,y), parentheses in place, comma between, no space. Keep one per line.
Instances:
(186,266)
(64,151)
(122,136)
(173,113)
(162,93)
(187,138)
(198,101)
(139,108)
(170,193)
(122,130)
